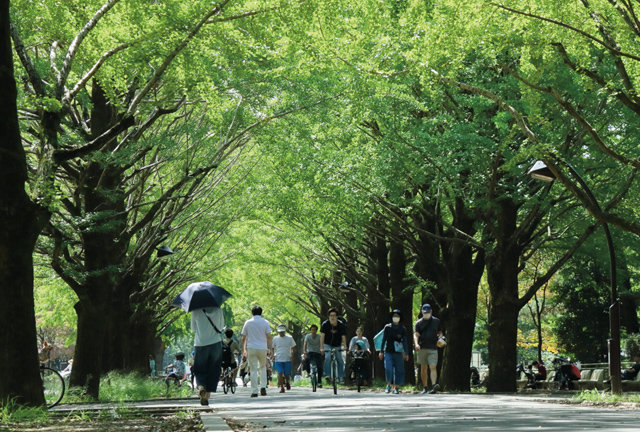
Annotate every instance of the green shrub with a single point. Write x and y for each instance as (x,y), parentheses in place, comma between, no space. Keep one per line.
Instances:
(118,387)
(632,345)
(11,411)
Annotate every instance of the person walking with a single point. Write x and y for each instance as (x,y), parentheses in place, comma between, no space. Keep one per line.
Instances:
(256,343)
(311,349)
(425,338)
(207,324)
(282,351)
(333,335)
(395,351)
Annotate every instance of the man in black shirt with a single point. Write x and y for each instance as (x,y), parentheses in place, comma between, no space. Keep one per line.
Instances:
(425,338)
(333,335)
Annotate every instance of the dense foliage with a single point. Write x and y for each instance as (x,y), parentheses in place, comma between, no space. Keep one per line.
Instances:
(363,154)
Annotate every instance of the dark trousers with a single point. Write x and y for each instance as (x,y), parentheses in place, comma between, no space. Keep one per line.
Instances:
(319,362)
(206,366)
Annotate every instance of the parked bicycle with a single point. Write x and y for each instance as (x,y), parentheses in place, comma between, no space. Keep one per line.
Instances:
(228,380)
(53,385)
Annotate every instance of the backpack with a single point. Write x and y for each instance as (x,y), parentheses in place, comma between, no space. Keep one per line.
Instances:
(226,352)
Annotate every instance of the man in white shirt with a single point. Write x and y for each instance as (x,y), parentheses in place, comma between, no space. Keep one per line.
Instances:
(256,342)
(283,346)
(207,325)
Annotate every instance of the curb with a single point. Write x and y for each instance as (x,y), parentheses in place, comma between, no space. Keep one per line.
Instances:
(214,423)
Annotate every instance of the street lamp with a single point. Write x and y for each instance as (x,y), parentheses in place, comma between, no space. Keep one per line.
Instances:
(540,171)
(163,251)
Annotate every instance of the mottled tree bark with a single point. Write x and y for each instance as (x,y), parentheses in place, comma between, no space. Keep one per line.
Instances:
(21,222)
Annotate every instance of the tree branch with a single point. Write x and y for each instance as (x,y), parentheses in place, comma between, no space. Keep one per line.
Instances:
(75,44)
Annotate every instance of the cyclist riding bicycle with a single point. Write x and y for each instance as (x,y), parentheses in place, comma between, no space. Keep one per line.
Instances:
(333,336)
(311,349)
(230,349)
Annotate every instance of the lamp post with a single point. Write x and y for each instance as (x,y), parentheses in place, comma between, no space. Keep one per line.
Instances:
(540,171)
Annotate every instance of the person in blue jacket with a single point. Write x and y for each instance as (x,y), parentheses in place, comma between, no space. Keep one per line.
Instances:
(395,351)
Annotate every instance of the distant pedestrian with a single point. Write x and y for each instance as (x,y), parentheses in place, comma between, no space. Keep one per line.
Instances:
(207,324)
(282,349)
(256,343)
(395,351)
(425,338)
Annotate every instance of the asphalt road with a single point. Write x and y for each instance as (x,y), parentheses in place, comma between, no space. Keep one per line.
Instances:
(302,410)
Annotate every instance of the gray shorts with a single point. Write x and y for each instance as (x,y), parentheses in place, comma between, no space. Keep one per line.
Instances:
(427,356)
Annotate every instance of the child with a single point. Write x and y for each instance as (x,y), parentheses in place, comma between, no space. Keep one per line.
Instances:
(359,353)
(244,372)
(282,347)
(179,369)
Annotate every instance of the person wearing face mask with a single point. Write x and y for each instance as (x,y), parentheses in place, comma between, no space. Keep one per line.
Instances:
(425,338)
(395,351)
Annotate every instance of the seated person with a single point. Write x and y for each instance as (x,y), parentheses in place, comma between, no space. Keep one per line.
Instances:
(475,376)
(66,372)
(632,372)
(566,371)
(540,374)
(179,369)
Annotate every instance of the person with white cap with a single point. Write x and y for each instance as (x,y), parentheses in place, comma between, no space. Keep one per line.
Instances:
(282,351)
(425,338)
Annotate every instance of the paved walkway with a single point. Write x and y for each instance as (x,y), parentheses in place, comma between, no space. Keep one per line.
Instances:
(302,410)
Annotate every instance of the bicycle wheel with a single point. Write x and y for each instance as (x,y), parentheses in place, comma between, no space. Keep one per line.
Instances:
(53,385)
(232,384)
(314,380)
(225,386)
(334,376)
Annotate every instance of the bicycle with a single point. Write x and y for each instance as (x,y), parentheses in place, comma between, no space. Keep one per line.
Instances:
(53,385)
(334,368)
(357,367)
(313,373)
(228,380)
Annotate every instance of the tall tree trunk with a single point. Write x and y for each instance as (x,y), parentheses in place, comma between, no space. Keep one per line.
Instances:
(104,254)
(461,278)
(87,357)
(502,276)
(21,221)
(378,295)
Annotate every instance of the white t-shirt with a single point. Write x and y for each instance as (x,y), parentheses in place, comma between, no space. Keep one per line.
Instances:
(205,333)
(256,330)
(282,347)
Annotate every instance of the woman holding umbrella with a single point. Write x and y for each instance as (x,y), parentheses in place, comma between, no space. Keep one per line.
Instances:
(203,300)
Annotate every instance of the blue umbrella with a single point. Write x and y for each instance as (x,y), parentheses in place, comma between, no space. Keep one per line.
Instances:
(200,295)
